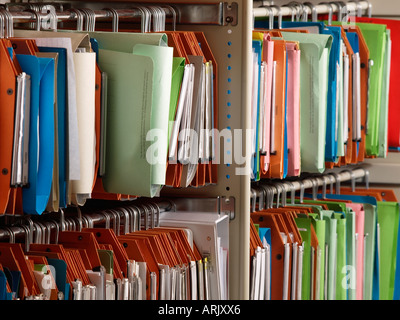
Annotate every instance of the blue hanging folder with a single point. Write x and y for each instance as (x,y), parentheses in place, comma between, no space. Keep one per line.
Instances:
(319,25)
(62,119)
(4,295)
(14,280)
(60,267)
(257,46)
(285,143)
(41,144)
(331,147)
(356,198)
(95,48)
(354,41)
(264,24)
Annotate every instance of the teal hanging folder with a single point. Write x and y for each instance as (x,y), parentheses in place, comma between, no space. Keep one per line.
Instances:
(4,295)
(332,120)
(285,141)
(60,267)
(62,118)
(41,143)
(257,47)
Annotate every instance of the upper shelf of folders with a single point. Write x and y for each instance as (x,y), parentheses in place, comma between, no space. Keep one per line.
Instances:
(132,104)
(324,87)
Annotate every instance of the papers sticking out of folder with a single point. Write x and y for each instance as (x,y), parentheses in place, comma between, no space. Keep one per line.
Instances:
(181,118)
(210,233)
(19,174)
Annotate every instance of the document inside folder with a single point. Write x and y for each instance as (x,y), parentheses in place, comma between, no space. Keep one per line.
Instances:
(19,174)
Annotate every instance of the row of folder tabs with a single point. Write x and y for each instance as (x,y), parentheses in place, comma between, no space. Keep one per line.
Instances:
(336,246)
(323,95)
(104,115)
(179,259)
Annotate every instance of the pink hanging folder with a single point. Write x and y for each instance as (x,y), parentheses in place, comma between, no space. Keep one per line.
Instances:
(359,211)
(293,108)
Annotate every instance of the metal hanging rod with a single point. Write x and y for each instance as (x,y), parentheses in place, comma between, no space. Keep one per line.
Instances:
(122,217)
(302,10)
(73,15)
(126,216)
(220,13)
(25,16)
(264,192)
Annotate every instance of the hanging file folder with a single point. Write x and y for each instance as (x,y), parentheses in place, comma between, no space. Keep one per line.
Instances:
(85,63)
(293,109)
(53,202)
(278,107)
(266,92)
(8,83)
(70,42)
(41,71)
(314,65)
(375,37)
(356,149)
(126,164)
(255,107)
(393,131)
(331,148)
(356,95)
(61,117)
(332,121)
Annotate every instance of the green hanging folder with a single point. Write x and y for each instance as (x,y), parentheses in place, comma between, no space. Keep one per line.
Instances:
(371,260)
(320,229)
(340,272)
(350,254)
(304,225)
(125,41)
(316,208)
(341,287)
(384,120)
(107,260)
(314,63)
(332,205)
(178,66)
(139,70)
(339,209)
(370,220)
(330,253)
(388,220)
(375,37)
